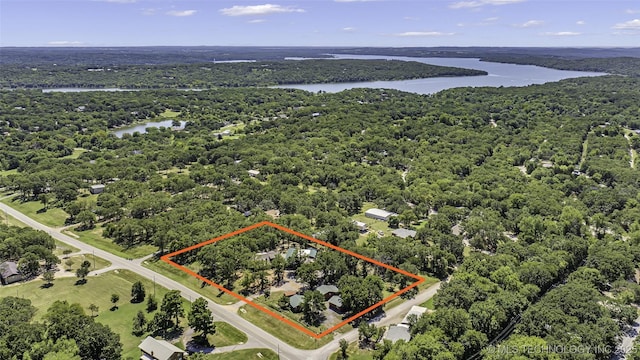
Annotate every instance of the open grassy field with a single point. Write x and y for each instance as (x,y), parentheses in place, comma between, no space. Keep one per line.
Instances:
(194,284)
(249,354)
(226,335)
(97,263)
(168,113)
(54,217)
(94,237)
(373,224)
(97,290)
(75,154)
(10,220)
(281,330)
(428,304)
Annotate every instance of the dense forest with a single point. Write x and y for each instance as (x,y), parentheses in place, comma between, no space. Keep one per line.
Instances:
(542,182)
(210,75)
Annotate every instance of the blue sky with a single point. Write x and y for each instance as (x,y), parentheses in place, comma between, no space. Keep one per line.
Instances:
(320,23)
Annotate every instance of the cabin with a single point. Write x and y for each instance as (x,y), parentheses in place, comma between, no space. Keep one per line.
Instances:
(9,273)
(362,227)
(295,302)
(379,214)
(335,303)
(253,173)
(328,291)
(404,233)
(96,189)
(153,349)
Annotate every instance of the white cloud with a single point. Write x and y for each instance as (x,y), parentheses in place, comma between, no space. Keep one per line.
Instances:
(256,21)
(628,25)
(530,23)
(253,10)
(348,29)
(479,3)
(355,0)
(181,12)
(422,33)
(65,43)
(562,33)
(580,22)
(632,11)
(149,11)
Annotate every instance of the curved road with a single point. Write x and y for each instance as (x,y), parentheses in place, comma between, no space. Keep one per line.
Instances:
(258,338)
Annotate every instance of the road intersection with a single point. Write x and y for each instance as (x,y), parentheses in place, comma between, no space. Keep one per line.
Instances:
(258,338)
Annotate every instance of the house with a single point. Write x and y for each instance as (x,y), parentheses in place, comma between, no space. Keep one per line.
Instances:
(266,256)
(295,302)
(253,173)
(335,303)
(310,253)
(153,349)
(274,213)
(9,273)
(291,252)
(328,291)
(96,189)
(404,233)
(362,227)
(397,332)
(379,214)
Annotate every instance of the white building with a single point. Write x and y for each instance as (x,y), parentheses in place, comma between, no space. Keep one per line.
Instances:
(379,214)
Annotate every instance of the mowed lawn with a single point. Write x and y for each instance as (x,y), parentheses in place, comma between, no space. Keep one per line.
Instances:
(97,290)
(54,217)
(94,238)
(249,354)
(279,329)
(354,353)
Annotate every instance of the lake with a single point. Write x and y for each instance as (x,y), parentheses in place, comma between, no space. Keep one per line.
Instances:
(499,75)
(142,128)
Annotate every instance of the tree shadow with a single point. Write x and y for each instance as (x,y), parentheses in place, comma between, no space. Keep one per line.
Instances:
(41,211)
(81,281)
(46,286)
(114,308)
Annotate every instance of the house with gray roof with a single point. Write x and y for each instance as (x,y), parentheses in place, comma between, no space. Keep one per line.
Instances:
(295,302)
(404,233)
(9,273)
(397,332)
(328,290)
(154,349)
(335,303)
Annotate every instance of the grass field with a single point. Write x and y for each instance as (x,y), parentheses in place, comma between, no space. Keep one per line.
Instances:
(249,354)
(96,262)
(226,335)
(170,113)
(75,154)
(281,330)
(94,237)
(10,220)
(54,217)
(98,290)
(194,284)
(428,304)
(373,225)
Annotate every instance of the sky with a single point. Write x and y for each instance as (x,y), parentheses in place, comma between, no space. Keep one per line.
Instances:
(398,23)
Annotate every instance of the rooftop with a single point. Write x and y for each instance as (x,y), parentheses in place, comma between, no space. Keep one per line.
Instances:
(8,268)
(415,310)
(379,212)
(325,289)
(160,349)
(396,333)
(335,300)
(296,300)
(404,233)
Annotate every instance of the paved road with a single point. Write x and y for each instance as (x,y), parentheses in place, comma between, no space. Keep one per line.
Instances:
(258,338)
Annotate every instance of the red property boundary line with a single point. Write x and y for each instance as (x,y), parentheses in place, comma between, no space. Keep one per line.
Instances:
(167,258)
